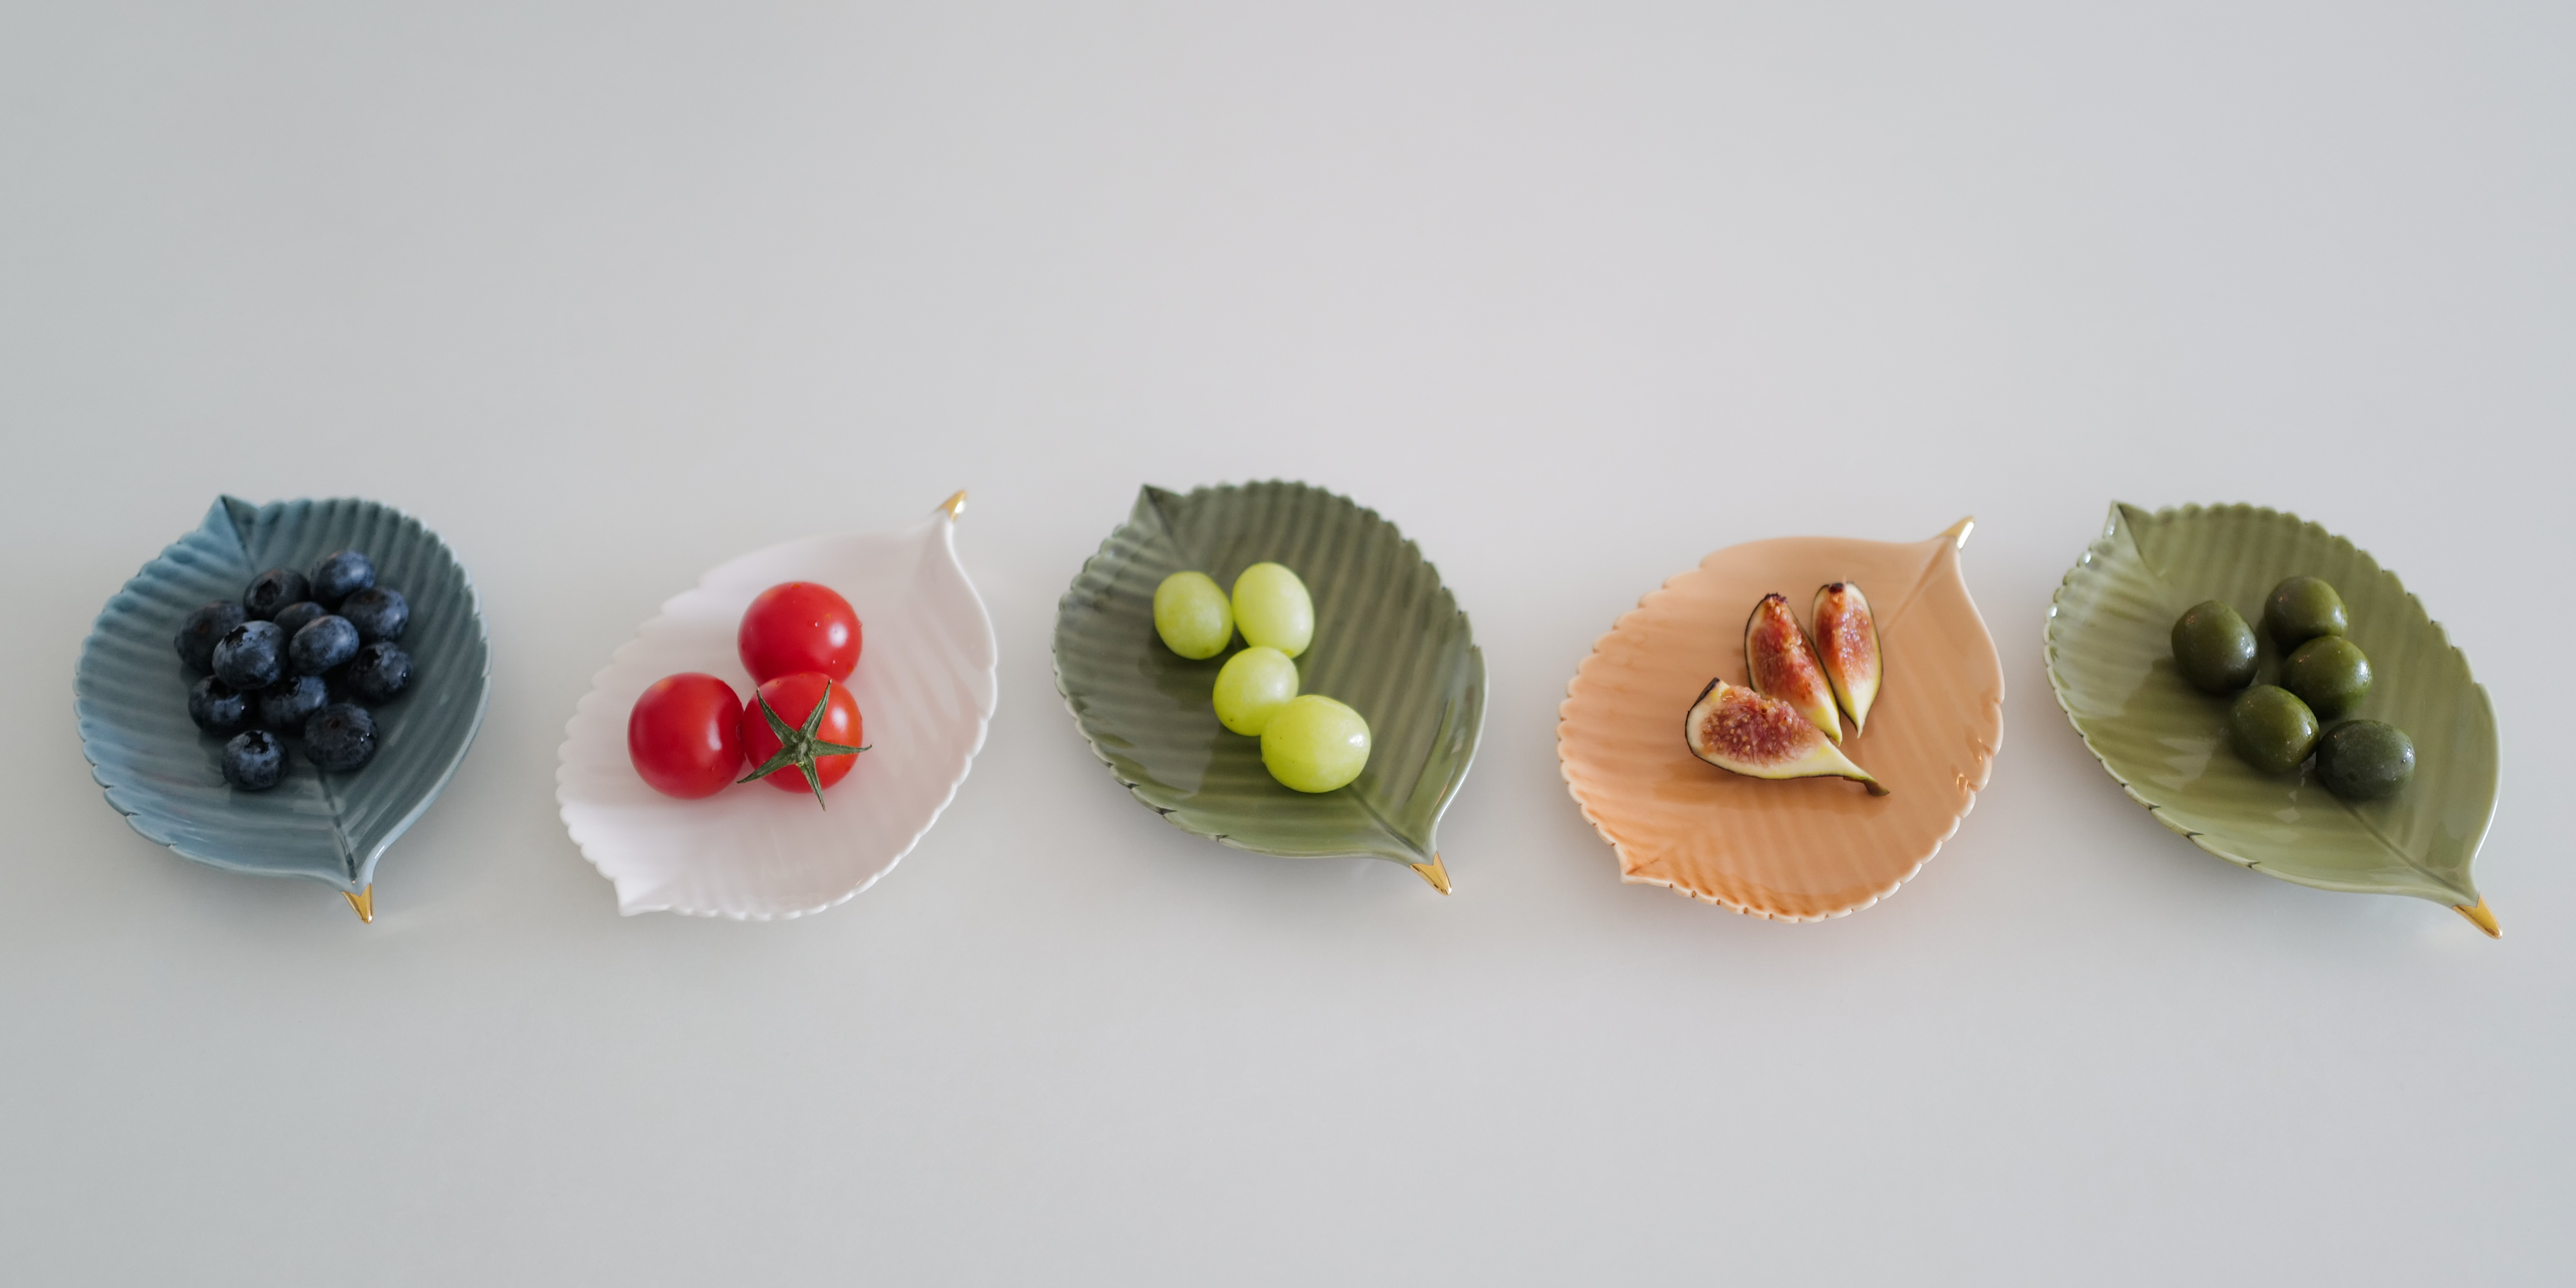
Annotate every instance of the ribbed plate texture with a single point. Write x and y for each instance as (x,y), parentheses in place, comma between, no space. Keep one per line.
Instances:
(925,686)
(1804,849)
(131,695)
(1389,640)
(2110,658)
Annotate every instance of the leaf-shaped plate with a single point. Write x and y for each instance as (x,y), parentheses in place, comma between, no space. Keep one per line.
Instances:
(1389,640)
(2110,658)
(925,688)
(165,776)
(1805,849)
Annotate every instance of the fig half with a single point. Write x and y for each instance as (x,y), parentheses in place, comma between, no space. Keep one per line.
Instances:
(1782,664)
(1747,733)
(1847,644)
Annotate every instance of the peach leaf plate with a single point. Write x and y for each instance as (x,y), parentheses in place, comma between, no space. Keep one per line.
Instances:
(1801,849)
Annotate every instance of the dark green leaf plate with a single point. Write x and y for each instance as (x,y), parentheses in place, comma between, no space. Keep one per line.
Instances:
(1389,640)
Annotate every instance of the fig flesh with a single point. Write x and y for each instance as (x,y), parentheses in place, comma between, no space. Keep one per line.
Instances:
(1747,733)
(1781,662)
(1847,646)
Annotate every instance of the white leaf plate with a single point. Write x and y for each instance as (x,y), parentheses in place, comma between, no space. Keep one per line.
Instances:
(925,687)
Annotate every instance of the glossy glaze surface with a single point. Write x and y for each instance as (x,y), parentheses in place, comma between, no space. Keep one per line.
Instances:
(1800,850)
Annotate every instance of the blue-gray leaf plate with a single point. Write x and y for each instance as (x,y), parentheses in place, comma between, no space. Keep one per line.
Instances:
(164,775)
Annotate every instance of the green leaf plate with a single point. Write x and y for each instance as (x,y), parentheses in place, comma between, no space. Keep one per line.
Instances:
(1389,640)
(2110,659)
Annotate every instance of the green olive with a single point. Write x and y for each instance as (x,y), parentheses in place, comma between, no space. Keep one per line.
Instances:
(2362,760)
(2214,648)
(2271,728)
(2330,674)
(2301,609)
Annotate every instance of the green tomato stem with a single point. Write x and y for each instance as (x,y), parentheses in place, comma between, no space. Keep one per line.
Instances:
(799,747)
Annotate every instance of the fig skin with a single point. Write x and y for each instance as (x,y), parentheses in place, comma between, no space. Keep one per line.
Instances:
(1847,646)
(1744,732)
(1780,662)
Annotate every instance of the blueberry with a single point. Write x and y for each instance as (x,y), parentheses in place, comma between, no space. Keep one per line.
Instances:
(325,642)
(273,590)
(254,761)
(340,574)
(378,613)
(251,655)
(296,616)
(218,707)
(287,704)
(340,737)
(378,672)
(198,634)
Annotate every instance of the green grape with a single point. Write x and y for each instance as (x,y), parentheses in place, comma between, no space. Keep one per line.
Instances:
(1253,686)
(1273,608)
(1192,616)
(1315,744)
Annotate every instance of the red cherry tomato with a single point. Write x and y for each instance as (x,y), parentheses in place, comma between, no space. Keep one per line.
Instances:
(684,735)
(798,626)
(793,698)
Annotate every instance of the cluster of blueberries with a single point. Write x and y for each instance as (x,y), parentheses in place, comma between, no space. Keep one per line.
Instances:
(297,655)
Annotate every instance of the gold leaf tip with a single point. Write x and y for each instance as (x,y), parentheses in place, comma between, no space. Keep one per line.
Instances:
(1437,874)
(955,505)
(2480,917)
(1959,531)
(364,904)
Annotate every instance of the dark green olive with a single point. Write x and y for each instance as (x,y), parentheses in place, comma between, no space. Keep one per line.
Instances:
(2271,728)
(2301,609)
(2330,674)
(2214,648)
(2363,760)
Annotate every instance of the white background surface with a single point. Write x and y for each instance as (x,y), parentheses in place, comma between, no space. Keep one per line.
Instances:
(609,294)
